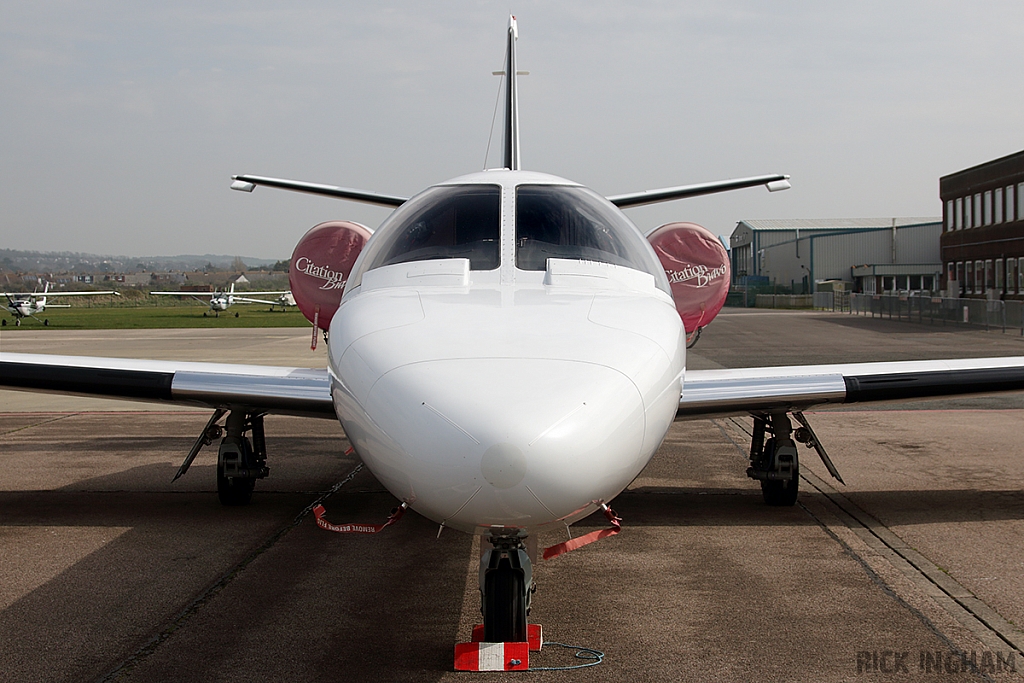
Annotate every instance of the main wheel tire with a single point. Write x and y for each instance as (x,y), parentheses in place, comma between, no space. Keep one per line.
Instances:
(504,605)
(232,490)
(781,493)
(235,490)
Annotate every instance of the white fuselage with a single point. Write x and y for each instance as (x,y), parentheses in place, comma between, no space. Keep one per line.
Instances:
(505,399)
(23,308)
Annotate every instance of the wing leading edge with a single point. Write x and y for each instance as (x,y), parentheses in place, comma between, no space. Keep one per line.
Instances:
(709,393)
(266,389)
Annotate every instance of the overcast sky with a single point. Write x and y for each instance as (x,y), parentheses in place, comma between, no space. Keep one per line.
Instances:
(122,122)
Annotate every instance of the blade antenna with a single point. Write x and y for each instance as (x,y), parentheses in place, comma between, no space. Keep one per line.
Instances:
(511,157)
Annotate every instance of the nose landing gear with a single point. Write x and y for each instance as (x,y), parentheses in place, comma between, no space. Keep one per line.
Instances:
(506,586)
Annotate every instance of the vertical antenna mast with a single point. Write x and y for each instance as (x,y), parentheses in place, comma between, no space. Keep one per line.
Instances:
(511,155)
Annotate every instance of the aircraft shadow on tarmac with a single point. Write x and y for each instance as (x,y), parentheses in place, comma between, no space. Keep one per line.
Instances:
(309,602)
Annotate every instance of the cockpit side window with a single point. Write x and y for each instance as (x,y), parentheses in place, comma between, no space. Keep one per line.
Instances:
(444,222)
(557,221)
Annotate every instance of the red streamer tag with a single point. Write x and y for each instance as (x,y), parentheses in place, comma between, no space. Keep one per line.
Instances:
(395,515)
(580,541)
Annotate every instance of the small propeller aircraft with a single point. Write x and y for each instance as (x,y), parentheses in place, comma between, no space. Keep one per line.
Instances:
(28,305)
(507,351)
(222,301)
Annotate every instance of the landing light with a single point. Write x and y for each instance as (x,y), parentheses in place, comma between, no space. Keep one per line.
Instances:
(242,186)
(778,185)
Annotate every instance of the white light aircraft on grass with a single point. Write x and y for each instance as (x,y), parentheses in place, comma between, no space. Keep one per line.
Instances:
(222,301)
(22,305)
(506,353)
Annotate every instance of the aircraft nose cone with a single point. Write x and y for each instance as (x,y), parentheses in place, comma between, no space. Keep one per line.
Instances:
(503,465)
(476,443)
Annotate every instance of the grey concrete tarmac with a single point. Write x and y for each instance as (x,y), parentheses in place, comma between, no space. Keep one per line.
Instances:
(110,572)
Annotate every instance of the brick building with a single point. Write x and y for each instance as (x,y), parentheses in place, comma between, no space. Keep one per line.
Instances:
(982,242)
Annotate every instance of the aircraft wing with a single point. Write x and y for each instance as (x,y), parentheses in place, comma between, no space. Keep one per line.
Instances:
(269,389)
(22,295)
(49,294)
(709,393)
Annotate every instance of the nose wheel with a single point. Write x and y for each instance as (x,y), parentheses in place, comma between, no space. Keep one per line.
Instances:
(506,585)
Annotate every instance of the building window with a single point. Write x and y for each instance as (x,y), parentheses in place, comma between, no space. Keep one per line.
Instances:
(977,210)
(950,273)
(1011,214)
(1020,201)
(997,210)
(888,283)
(959,213)
(987,207)
(1011,280)
(949,215)
(999,275)
(969,281)
(988,282)
(960,281)
(968,214)
(1020,273)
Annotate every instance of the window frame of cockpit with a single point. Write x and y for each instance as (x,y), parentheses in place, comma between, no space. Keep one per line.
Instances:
(635,251)
(378,253)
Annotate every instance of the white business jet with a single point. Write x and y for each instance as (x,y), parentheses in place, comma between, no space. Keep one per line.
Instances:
(222,301)
(506,353)
(22,305)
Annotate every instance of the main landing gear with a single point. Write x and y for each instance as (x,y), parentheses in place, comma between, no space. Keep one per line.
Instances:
(240,460)
(506,586)
(775,462)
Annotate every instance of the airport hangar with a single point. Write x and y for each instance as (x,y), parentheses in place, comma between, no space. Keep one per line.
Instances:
(870,255)
(982,243)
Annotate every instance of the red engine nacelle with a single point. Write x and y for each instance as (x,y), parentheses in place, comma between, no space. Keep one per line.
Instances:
(321,264)
(698,270)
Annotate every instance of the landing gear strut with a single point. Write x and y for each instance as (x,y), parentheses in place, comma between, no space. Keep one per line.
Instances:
(240,460)
(774,462)
(506,586)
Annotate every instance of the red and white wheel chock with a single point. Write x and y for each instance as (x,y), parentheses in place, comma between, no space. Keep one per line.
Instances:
(481,656)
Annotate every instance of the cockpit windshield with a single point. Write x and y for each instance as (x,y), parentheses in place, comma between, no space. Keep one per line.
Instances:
(444,222)
(558,221)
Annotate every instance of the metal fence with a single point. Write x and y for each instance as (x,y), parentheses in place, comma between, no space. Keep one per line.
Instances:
(934,310)
(832,301)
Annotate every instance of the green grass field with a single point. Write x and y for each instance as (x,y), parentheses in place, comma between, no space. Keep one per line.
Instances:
(156,317)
